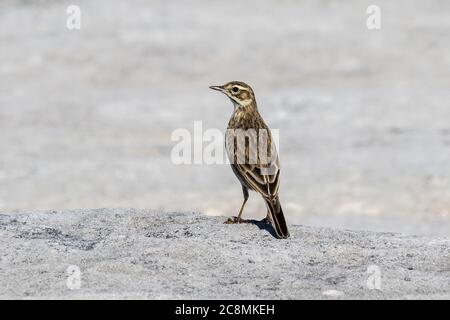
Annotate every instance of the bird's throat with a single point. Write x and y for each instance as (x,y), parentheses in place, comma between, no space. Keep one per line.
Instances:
(244,116)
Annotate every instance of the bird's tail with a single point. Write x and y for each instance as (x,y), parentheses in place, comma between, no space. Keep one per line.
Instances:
(277,218)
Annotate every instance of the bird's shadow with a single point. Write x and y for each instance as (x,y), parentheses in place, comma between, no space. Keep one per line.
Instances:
(263,225)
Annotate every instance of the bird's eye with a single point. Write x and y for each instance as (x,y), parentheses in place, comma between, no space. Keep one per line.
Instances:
(235,89)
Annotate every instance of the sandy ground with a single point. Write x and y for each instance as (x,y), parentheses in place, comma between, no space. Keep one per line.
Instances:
(129,253)
(86,116)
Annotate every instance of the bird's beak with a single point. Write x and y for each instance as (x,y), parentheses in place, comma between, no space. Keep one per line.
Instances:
(218,88)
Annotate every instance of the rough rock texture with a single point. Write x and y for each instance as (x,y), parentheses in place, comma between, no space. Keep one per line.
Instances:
(129,253)
(87,116)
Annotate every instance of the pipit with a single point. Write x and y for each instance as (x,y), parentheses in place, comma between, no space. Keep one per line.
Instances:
(252,153)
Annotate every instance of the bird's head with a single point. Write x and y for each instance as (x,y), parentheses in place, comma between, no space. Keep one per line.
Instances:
(240,93)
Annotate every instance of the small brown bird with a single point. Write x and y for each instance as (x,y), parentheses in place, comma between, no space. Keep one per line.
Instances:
(252,154)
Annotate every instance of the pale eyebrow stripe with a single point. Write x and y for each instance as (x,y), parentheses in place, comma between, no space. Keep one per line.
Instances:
(240,87)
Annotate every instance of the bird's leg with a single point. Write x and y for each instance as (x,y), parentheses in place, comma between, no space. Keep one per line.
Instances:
(238,218)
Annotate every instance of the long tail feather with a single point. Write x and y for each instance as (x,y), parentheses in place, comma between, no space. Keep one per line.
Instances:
(277,218)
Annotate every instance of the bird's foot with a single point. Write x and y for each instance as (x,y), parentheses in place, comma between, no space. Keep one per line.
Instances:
(234,220)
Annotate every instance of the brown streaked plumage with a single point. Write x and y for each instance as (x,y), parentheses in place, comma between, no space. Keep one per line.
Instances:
(253,171)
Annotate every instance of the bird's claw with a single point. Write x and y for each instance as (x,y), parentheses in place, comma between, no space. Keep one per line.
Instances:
(234,220)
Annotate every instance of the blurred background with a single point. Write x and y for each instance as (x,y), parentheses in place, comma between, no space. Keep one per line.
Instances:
(86,116)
